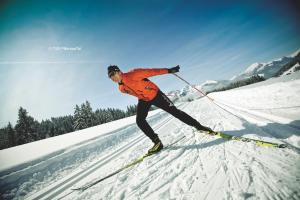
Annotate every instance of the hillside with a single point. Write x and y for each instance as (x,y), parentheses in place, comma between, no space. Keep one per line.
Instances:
(197,167)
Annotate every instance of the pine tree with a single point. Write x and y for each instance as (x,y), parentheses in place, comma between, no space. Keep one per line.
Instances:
(78,119)
(68,123)
(107,116)
(4,138)
(88,115)
(45,129)
(25,128)
(62,125)
(11,135)
(131,110)
(84,117)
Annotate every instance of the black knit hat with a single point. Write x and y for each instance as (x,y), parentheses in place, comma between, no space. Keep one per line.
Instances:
(112,69)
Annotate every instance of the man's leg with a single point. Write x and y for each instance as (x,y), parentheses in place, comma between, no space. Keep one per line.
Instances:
(163,102)
(142,112)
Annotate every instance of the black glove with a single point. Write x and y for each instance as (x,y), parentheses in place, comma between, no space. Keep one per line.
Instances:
(174,69)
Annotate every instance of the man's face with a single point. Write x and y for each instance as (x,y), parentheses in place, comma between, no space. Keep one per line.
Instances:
(116,77)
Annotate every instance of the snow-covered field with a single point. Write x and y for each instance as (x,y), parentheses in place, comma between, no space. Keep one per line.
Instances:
(197,167)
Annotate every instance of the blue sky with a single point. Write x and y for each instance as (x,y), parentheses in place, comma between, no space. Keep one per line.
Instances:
(54,54)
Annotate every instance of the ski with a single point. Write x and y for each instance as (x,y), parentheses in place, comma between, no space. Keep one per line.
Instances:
(138,160)
(243,139)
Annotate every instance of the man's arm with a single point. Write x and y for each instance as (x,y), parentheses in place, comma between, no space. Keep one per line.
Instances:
(145,73)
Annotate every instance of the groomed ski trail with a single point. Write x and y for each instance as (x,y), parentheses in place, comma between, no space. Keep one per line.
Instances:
(63,186)
(206,167)
(198,167)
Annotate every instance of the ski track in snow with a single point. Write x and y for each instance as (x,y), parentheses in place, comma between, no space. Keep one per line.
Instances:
(199,166)
(222,173)
(93,167)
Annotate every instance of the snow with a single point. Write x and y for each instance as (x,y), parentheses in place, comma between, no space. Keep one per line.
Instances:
(253,67)
(267,70)
(291,70)
(212,85)
(210,82)
(269,104)
(197,167)
(28,153)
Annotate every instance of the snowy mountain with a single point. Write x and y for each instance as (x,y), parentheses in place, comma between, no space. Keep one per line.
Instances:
(186,94)
(199,166)
(268,70)
(212,85)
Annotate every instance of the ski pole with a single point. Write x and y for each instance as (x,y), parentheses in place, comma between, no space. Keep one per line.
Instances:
(193,86)
(212,100)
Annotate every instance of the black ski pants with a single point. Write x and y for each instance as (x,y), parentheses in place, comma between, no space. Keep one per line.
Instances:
(163,102)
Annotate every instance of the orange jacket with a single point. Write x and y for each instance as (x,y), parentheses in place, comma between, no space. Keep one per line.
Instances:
(135,83)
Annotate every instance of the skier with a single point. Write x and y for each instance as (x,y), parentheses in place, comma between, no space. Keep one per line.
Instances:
(135,83)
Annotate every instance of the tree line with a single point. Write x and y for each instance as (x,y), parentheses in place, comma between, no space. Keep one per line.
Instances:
(27,129)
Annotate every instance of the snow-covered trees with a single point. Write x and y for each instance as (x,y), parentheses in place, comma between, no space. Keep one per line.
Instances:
(26,127)
(84,116)
(28,130)
(11,135)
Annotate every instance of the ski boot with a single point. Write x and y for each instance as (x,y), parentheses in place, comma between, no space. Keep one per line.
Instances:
(156,147)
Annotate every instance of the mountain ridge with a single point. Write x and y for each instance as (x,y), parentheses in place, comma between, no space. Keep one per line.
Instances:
(277,67)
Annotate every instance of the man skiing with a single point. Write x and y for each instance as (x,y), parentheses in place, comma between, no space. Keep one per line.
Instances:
(135,83)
